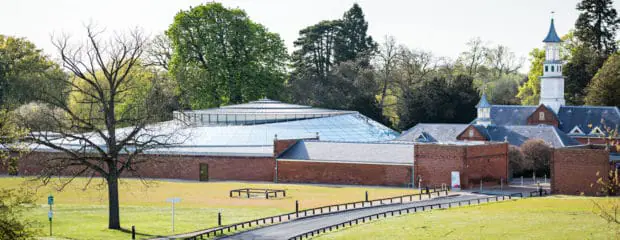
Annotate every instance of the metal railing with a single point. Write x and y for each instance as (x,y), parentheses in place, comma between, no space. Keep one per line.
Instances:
(415,209)
(217,231)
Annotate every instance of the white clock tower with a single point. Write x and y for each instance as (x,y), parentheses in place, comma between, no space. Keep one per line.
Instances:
(552,81)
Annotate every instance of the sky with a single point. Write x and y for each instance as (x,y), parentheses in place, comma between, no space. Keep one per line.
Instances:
(442,27)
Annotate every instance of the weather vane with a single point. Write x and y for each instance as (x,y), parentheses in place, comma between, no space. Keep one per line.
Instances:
(552,13)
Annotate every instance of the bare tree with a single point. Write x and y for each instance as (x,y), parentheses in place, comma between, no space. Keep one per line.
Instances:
(90,140)
(159,52)
(474,57)
(385,63)
(501,60)
(414,66)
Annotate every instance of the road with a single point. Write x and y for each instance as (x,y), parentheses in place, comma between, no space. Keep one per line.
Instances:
(289,229)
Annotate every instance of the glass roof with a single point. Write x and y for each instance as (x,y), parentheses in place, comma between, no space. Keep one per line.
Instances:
(256,112)
(350,127)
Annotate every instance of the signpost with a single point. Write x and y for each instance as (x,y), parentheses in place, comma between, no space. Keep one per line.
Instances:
(456,181)
(50,214)
(173,201)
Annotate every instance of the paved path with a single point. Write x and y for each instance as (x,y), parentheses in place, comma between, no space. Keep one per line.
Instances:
(292,228)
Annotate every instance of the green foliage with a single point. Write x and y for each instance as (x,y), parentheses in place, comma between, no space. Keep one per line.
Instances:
(352,43)
(314,57)
(438,101)
(537,153)
(504,91)
(26,74)
(10,134)
(220,56)
(604,89)
(133,95)
(578,72)
(609,184)
(529,92)
(13,204)
(597,25)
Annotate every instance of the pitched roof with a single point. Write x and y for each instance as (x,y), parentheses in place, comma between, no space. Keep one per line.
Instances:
(511,114)
(515,135)
(552,36)
(347,152)
(438,132)
(588,118)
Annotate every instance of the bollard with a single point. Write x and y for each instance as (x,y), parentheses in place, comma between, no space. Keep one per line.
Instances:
(219,219)
(133,232)
(501,184)
(297,208)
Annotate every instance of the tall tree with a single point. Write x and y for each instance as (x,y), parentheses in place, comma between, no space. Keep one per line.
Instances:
(385,66)
(92,144)
(352,41)
(597,25)
(502,61)
(438,100)
(529,92)
(474,57)
(221,56)
(605,86)
(25,72)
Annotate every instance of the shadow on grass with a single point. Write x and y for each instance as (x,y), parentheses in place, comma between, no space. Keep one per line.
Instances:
(138,234)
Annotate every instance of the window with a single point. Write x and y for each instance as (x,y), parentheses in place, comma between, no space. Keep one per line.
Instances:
(597,131)
(546,68)
(552,68)
(471,133)
(541,116)
(576,130)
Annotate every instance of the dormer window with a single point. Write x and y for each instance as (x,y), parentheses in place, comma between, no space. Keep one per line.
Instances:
(541,116)
(421,138)
(576,130)
(471,133)
(596,131)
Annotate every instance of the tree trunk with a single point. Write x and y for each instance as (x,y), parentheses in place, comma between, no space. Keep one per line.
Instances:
(114,221)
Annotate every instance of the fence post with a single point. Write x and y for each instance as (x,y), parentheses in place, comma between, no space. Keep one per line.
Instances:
(219,219)
(133,232)
(366,196)
(296,208)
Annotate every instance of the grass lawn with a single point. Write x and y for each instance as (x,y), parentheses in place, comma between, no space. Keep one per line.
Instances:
(555,217)
(82,214)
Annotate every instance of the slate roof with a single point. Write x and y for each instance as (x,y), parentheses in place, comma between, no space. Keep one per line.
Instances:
(588,118)
(515,135)
(511,114)
(585,117)
(552,36)
(439,132)
(348,152)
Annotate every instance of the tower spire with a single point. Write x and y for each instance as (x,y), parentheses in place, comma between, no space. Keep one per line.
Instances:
(552,81)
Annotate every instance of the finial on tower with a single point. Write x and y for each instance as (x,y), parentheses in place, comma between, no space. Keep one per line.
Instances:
(552,36)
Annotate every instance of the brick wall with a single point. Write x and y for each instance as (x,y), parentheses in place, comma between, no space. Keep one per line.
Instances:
(179,166)
(435,163)
(573,170)
(279,146)
(343,173)
(487,162)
